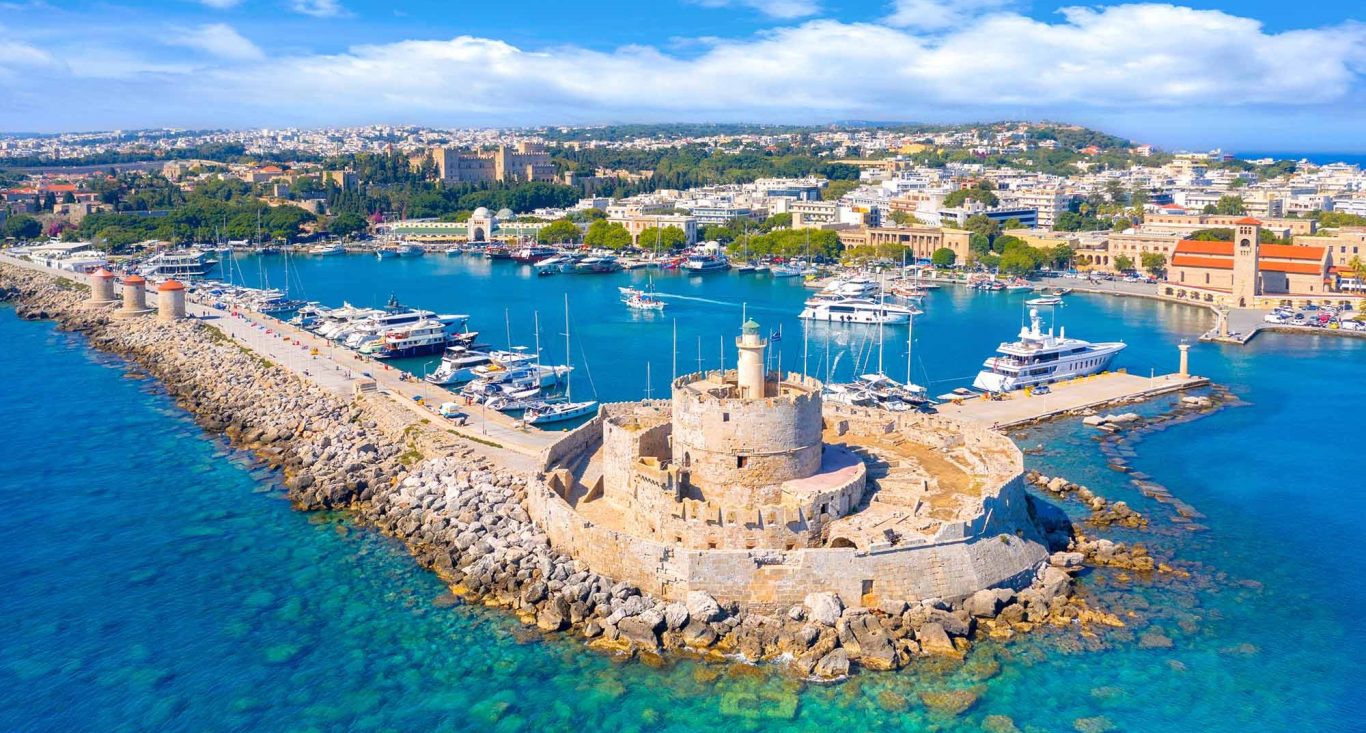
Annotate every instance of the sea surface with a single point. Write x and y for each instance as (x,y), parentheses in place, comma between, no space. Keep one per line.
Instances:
(155,579)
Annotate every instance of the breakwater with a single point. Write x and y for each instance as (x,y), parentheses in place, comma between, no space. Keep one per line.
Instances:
(463,514)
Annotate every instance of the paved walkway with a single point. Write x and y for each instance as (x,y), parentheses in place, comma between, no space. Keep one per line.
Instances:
(337,369)
(1018,408)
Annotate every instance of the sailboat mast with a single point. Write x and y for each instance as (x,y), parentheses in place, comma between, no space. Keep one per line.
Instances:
(910,340)
(569,383)
(675,353)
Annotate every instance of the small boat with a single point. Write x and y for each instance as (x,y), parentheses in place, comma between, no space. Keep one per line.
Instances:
(533,254)
(454,251)
(746,268)
(498,252)
(644,302)
(408,249)
(457,366)
(784,271)
(387,253)
(553,412)
(1018,285)
(1045,300)
(706,262)
(327,249)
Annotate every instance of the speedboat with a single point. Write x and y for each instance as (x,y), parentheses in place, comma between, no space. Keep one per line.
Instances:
(1044,300)
(596,265)
(1039,357)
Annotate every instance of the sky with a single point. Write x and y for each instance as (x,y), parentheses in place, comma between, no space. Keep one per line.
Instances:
(1244,74)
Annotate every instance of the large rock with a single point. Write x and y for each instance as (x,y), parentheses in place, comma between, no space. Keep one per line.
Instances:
(1053,581)
(934,640)
(876,650)
(675,616)
(982,604)
(702,607)
(824,608)
(642,630)
(832,665)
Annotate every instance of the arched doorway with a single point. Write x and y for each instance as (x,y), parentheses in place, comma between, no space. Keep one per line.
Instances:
(477,235)
(844,543)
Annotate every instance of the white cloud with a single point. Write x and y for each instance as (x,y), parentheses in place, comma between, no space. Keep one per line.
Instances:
(1120,63)
(217,39)
(940,14)
(318,8)
(786,9)
(221,4)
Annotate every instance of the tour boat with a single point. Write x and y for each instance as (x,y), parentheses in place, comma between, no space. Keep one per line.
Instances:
(428,336)
(644,302)
(784,271)
(1039,357)
(181,264)
(497,252)
(706,262)
(856,310)
(457,366)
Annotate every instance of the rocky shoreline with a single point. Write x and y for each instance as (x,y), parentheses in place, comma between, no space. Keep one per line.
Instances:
(462,515)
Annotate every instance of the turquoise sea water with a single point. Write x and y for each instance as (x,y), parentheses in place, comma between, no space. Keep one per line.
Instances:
(152,580)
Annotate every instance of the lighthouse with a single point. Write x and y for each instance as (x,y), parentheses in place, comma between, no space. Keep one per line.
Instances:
(749,370)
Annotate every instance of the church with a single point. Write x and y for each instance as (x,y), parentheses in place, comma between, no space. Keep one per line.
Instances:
(1246,273)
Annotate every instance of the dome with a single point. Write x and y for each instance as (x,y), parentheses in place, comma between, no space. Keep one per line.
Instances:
(134,279)
(103,274)
(170,285)
(505,213)
(481,212)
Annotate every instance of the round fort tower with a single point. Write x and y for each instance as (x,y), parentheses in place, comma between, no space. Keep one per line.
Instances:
(747,429)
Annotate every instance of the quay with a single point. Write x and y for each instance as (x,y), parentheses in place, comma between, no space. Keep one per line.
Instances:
(1017,408)
(344,372)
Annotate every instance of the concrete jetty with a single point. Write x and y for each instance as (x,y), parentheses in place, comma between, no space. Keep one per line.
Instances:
(1018,408)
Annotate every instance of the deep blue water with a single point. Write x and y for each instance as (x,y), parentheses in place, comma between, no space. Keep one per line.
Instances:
(153,581)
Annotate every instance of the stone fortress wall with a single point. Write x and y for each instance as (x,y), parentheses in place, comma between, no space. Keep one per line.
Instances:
(992,542)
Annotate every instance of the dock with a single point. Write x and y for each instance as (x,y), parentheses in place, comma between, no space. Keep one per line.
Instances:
(1018,408)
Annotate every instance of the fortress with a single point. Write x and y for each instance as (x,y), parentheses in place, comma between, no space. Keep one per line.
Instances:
(747,486)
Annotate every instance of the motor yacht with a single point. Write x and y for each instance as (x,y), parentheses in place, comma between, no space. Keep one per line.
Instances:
(1038,357)
(856,310)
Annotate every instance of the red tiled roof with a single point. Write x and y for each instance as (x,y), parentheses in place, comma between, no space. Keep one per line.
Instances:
(1294,268)
(170,285)
(1291,251)
(1185,260)
(1200,247)
(1248,221)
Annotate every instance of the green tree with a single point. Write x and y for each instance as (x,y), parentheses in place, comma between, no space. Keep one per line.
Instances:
(904,218)
(835,190)
(560,230)
(1059,257)
(979,244)
(23,227)
(1153,262)
(982,224)
(943,257)
(963,195)
(1124,263)
(666,239)
(718,233)
(1017,262)
(777,221)
(608,235)
(346,224)
(1230,205)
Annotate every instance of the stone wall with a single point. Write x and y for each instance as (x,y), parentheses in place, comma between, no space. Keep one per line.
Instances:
(731,445)
(997,545)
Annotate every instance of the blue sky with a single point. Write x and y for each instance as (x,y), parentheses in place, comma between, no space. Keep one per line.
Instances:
(1252,74)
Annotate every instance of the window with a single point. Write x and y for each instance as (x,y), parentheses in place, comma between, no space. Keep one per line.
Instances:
(741,461)
(725,417)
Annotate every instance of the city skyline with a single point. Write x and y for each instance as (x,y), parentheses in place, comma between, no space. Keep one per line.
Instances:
(1258,76)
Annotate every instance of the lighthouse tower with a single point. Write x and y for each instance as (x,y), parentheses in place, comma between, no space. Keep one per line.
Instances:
(749,370)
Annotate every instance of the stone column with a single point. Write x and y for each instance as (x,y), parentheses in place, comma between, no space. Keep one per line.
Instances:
(1185,359)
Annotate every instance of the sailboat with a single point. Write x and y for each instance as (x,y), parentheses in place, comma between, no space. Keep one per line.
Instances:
(553,412)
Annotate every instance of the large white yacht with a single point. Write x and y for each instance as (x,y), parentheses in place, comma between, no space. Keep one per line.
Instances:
(1039,357)
(856,310)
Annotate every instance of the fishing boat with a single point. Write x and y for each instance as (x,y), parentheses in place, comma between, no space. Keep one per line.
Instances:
(699,262)
(1038,357)
(856,310)
(644,302)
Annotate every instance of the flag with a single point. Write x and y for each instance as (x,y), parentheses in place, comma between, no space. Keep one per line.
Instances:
(777,335)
